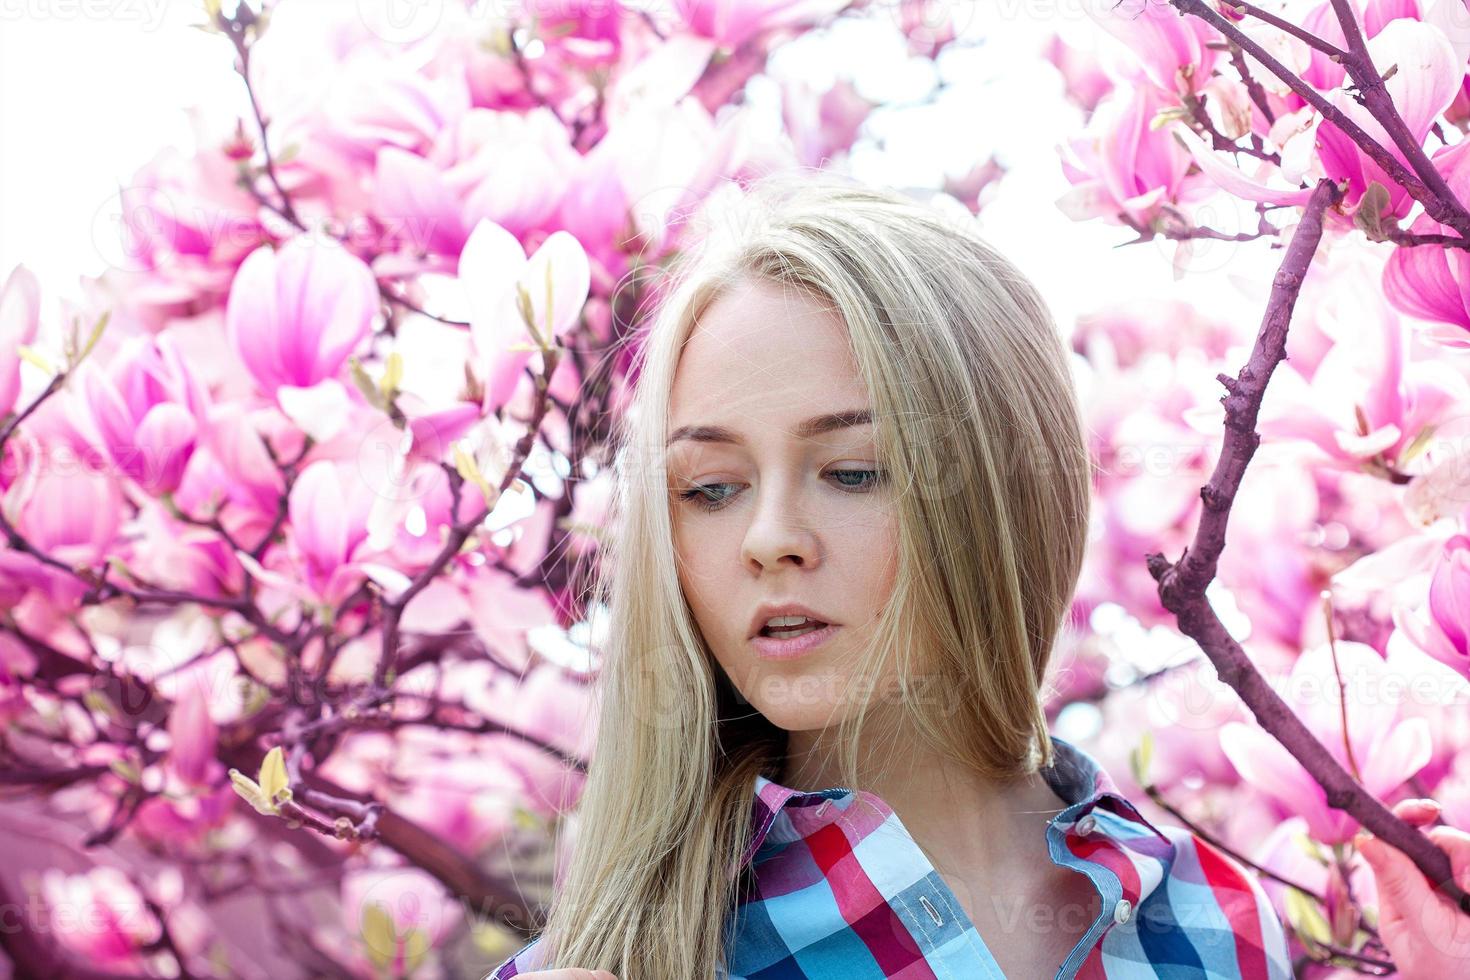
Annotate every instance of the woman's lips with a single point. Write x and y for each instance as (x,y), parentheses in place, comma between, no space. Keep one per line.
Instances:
(787,648)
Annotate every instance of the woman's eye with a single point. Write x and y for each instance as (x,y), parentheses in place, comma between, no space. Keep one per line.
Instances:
(706,496)
(713,496)
(862,479)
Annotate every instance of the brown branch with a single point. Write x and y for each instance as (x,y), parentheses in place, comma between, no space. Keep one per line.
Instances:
(1443,205)
(1445,210)
(1182,584)
(1296,31)
(461,530)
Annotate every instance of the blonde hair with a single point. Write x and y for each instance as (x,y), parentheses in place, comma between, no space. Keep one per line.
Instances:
(976,418)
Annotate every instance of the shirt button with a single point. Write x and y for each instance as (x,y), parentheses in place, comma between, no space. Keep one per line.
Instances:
(1087,824)
(1122,910)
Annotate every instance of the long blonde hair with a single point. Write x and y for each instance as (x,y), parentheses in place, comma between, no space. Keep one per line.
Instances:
(976,417)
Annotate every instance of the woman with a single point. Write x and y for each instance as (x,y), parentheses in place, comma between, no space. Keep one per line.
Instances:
(851,508)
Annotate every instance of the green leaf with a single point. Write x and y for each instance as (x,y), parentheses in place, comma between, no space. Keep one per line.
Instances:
(1370,213)
(1309,847)
(274,785)
(1416,447)
(415,948)
(1141,756)
(465,465)
(125,769)
(364,383)
(1167,115)
(376,926)
(96,335)
(392,376)
(30,354)
(102,704)
(1307,919)
(249,791)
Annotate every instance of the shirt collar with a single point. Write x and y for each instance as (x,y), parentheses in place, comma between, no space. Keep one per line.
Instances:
(1075,776)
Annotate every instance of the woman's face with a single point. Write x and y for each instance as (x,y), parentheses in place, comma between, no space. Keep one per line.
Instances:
(771,507)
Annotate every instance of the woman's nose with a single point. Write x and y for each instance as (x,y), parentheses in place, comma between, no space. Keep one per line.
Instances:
(779,531)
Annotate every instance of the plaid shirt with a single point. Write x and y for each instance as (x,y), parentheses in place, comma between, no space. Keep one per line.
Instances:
(839,891)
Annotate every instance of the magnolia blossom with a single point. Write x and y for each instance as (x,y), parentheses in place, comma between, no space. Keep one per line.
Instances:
(329,507)
(398,915)
(296,313)
(16,664)
(62,502)
(1430,282)
(1122,167)
(99,915)
(1086,80)
(1385,749)
(1441,626)
(185,225)
(1419,95)
(145,411)
(732,22)
(511,168)
(823,123)
(1367,398)
(496,275)
(20,315)
(1173,51)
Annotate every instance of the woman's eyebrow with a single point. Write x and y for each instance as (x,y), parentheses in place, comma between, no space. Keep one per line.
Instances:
(814,426)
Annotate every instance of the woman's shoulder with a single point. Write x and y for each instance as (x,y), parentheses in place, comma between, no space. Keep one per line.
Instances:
(525,959)
(1218,901)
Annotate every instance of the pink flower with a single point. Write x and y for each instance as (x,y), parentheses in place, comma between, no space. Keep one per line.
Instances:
(495,273)
(1441,626)
(1386,749)
(20,315)
(144,411)
(17,664)
(732,22)
(186,224)
(823,123)
(1430,282)
(99,915)
(398,915)
(1172,50)
(1420,94)
(434,433)
(375,100)
(1367,400)
(296,313)
(580,33)
(329,507)
(61,501)
(512,168)
(1085,79)
(193,735)
(1122,168)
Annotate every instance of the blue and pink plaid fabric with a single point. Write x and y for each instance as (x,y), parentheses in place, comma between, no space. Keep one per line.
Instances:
(839,891)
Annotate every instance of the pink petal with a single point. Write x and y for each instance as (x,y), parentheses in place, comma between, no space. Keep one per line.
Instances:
(1224,173)
(557,277)
(318,519)
(20,315)
(1394,759)
(414,203)
(165,440)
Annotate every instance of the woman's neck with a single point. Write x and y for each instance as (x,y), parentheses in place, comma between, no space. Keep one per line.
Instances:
(968,824)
